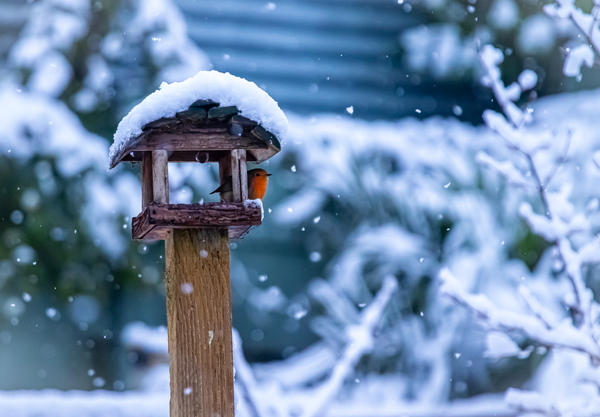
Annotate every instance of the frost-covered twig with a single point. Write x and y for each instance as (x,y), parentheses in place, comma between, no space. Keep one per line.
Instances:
(582,54)
(360,342)
(565,9)
(563,334)
(561,225)
(244,376)
(531,402)
(534,305)
(505,168)
(506,96)
(553,226)
(270,399)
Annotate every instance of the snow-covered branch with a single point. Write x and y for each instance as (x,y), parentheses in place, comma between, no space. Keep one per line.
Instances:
(506,96)
(561,224)
(505,168)
(562,334)
(360,342)
(258,396)
(587,24)
(530,402)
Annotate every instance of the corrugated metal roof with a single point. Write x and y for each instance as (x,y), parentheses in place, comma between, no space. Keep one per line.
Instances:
(310,55)
(13,14)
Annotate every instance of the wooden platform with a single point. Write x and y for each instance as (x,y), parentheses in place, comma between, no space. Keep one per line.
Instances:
(157,220)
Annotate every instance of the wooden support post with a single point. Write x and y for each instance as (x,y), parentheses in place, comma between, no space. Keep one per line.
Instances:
(224,169)
(199,320)
(239,175)
(147,186)
(160,174)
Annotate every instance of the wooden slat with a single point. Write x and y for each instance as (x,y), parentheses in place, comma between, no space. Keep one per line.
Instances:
(160,173)
(224,169)
(157,219)
(243,174)
(147,184)
(184,138)
(190,142)
(239,175)
(163,233)
(199,322)
(197,141)
(187,156)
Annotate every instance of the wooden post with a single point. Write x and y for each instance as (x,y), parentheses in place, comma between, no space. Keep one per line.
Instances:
(199,310)
(239,175)
(199,323)
(147,186)
(160,174)
(234,164)
(224,168)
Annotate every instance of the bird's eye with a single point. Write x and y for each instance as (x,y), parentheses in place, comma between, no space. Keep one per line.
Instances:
(257,174)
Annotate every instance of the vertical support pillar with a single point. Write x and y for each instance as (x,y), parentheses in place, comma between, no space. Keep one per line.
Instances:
(224,168)
(160,174)
(234,164)
(199,320)
(147,186)
(239,175)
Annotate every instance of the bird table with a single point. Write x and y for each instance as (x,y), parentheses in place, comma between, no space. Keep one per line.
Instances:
(197,241)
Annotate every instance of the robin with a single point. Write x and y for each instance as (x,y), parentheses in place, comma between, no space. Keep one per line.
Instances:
(257,185)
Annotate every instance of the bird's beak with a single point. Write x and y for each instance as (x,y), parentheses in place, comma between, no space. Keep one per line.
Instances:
(268,175)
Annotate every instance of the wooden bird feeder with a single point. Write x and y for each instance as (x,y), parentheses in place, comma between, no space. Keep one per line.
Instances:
(204,133)
(197,243)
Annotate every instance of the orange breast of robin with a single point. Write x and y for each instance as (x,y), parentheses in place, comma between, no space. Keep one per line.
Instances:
(258,188)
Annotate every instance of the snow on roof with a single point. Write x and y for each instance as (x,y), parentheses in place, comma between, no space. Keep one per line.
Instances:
(224,88)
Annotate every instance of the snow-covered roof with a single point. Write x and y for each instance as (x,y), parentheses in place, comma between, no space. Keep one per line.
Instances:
(224,88)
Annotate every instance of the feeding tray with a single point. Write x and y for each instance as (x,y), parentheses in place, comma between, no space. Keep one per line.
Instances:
(157,220)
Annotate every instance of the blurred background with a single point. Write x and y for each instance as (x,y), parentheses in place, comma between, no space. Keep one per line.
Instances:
(377,178)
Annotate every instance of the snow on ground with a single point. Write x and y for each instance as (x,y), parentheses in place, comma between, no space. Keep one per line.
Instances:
(100,403)
(374,395)
(224,88)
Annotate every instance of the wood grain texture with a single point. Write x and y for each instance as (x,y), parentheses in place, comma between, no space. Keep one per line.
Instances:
(239,175)
(157,219)
(199,323)
(160,174)
(184,136)
(186,156)
(155,233)
(225,169)
(199,141)
(147,185)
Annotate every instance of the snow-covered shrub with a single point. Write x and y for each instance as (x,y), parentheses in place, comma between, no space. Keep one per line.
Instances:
(552,158)
(405,199)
